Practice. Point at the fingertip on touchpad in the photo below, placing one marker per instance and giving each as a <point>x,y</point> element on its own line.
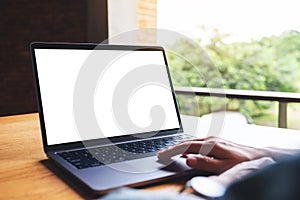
<point>176,165</point>
<point>165,161</point>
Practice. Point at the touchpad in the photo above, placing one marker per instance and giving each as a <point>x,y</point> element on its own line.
<point>150,164</point>
<point>177,164</point>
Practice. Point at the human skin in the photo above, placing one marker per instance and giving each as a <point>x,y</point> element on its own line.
<point>217,155</point>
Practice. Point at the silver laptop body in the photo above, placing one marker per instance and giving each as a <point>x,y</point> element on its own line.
<point>101,107</point>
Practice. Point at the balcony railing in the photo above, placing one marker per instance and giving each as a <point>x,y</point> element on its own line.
<point>283,98</point>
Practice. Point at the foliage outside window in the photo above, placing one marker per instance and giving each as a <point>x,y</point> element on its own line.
<point>254,44</point>
<point>267,60</point>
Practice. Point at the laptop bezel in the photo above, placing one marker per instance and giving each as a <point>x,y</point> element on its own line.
<point>91,46</point>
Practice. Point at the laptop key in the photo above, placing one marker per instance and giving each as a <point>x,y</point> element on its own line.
<point>105,155</point>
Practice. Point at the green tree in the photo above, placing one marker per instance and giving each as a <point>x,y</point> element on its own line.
<point>268,64</point>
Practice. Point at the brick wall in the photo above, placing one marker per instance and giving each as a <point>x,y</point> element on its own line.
<point>147,18</point>
<point>147,13</point>
<point>24,21</point>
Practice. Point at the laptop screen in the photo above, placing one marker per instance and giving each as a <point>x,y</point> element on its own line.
<point>133,92</point>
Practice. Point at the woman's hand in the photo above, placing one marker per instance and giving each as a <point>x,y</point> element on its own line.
<point>213,154</point>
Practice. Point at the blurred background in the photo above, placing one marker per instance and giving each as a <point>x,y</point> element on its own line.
<point>254,44</point>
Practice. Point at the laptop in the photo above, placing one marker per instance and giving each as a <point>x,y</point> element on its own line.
<point>105,111</point>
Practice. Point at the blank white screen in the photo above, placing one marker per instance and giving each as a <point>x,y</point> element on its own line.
<point>57,72</point>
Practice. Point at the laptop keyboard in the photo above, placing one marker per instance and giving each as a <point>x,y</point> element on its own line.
<point>104,155</point>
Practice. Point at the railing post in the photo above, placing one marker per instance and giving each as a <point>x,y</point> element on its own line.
<point>282,118</point>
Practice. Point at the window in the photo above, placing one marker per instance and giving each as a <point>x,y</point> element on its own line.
<point>254,44</point>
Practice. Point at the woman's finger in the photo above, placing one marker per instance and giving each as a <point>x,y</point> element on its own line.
<point>209,164</point>
<point>185,147</point>
<point>194,147</point>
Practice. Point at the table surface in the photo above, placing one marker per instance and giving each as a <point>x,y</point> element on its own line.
<point>25,172</point>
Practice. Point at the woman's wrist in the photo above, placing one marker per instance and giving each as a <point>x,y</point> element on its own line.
<point>277,153</point>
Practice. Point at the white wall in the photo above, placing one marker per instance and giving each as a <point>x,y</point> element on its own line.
<point>122,16</point>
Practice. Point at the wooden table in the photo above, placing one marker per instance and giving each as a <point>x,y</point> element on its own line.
<point>25,172</point>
